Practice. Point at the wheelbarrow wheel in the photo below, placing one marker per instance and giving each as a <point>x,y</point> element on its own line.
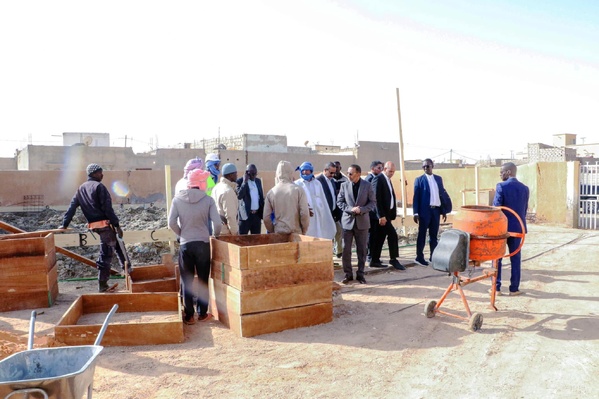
<point>429,309</point>
<point>476,321</point>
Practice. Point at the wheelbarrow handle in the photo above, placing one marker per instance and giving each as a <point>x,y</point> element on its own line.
<point>27,391</point>
<point>105,324</point>
<point>31,330</point>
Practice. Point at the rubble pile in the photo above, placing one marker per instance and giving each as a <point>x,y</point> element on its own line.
<point>140,218</point>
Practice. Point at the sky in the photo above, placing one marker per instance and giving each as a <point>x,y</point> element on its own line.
<point>476,79</point>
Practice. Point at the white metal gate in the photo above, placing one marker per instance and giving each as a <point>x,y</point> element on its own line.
<point>589,197</point>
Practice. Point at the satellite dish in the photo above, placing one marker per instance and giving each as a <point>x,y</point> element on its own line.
<point>88,140</point>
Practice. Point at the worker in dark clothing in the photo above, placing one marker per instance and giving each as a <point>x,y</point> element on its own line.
<point>96,204</point>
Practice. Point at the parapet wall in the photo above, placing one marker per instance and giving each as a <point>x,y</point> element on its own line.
<point>549,183</point>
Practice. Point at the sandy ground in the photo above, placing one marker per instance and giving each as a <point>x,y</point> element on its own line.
<point>544,343</point>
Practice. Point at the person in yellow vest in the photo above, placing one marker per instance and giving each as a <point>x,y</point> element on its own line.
<point>212,166</point>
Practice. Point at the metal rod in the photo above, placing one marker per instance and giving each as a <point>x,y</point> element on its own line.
<point>31,329</point>
<point>105,325</point>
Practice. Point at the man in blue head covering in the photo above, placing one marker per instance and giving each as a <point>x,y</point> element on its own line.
<point>321,224</point>
<point>213,166</point>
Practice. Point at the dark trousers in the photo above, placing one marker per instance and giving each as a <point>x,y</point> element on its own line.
<point>373,222</point>
<point>512,244</point>
<point>251,225</point>
<point>429,222</point>
<point>108,248</point>
<point>195,259</point>
<point>378,235</point>
<point>361,237</point>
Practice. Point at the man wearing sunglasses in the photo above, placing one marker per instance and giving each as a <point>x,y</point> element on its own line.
<point>428,209</point>
<point>356,199</point>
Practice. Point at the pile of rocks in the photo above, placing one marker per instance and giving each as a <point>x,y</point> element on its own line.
<point>140,218</point>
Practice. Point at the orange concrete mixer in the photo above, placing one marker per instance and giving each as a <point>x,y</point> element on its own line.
<point>480,234</point>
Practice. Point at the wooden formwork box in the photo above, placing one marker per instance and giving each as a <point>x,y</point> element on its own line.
<point>170,331</point>
<point>155,278</point>
<point>268,283</point>
<point>28,272</point>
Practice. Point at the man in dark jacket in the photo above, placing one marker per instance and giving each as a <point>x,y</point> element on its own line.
<point>96,204</point>
<point>512,194</point>
<point>376,167</point>
<point>386,211</point>
<point>251,201</point>
<point>428,209</point>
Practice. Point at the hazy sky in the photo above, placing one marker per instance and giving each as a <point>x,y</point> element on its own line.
<point>482,78</point>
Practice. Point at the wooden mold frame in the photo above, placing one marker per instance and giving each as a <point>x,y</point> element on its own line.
<point>155,278</point>
<point>68,332</point>
<point>286,309</point>
<point>269,283</point>
<point>28,272</point>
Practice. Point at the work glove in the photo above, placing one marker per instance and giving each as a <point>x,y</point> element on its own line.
<point>119,232</point>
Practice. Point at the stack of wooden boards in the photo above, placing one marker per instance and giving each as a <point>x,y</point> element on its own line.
<point>28,275</point>
<point>268,283</point>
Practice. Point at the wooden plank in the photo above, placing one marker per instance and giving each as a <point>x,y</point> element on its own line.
<point>157,333</point>
<point>163,285</point>
<point>246,302</point>
<point>255,239</point>
<point>272,255</point>
<point>130,237</point>
<point>139,302</point>
<point>73,313</point>
<point>53,294</point>
<point>278,320</point>
<point>273,277</point>
<point>269,250</point>
<point>151,272</point>
<point>34,234</point>
<point>24,300</point>
<point>314,251</point>
<point>24,247</point>
<point>52,278</point>
<point>229,254</point>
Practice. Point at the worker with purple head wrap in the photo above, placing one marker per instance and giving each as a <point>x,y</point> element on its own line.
<point>192,164</point>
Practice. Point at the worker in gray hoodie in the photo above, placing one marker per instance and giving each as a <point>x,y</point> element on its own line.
<point>288,202</point>
<point>190,216</point>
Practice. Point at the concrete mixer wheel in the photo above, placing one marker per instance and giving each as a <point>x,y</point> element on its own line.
<point>476,321</point>
<point>429,309</point>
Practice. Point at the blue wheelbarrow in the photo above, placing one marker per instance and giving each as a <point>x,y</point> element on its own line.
<point>51,373</point>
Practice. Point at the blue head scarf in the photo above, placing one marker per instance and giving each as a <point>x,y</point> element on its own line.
<point>306,166</point>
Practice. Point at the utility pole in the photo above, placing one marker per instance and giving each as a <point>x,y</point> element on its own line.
<point>450,155</point>
<point>125,141</point>
<point>402,171</point>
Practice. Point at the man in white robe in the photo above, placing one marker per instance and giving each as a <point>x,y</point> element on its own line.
<point>322,224</point>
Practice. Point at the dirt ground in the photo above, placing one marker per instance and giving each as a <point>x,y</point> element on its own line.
<point>544,343</point>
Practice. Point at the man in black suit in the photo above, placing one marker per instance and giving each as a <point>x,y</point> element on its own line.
<point>251,201</point>
<point>328,186</point>
<point>386,211</point>
<point>376,167</point>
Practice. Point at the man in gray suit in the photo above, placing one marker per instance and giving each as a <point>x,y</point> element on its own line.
<point>356,199</point>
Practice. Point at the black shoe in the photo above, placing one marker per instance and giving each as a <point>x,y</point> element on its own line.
<point>395,263</point>
<point>376,264</point>
<point>421,262</point>
<point>347,280</point>
<point>103,286</point>
<point>339,255</point>
<point>361,280</point>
